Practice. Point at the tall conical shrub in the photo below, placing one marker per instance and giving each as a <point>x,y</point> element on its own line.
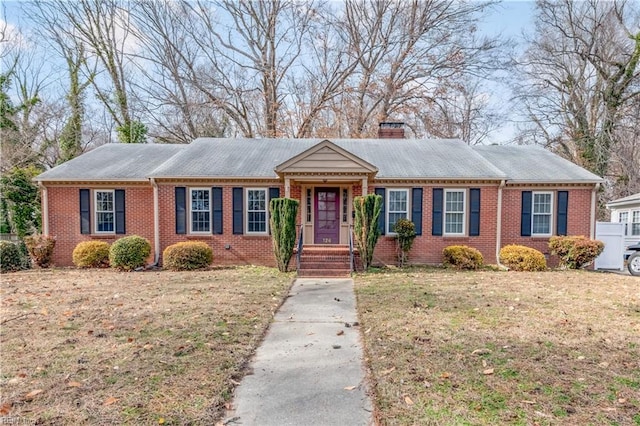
<point>282,217</point>
<point>365,228</point>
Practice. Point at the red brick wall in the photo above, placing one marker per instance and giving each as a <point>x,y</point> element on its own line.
<point>64,224</point>
<point>427,249</point>
<point>578,217</point>
<point>64,218</point>
<point>243,249</point>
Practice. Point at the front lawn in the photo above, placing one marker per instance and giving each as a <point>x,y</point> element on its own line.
<point>105,347</point>
<point>485,348</point>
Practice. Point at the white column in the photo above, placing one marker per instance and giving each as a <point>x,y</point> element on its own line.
<point>287,187</point>
<point>365,186</point>
<point>44,197</point>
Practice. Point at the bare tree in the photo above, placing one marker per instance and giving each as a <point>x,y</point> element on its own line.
<point>582,73</point>
<point>406,51</point>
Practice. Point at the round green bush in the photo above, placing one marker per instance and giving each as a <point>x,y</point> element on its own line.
<point>462,257</point>
<point>12,257</point>
<point>129,253</point>
<point>522,258</point>
<point>91,254</point>
<point>187,256</point>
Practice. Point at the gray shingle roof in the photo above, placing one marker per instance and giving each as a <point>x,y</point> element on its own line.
<point>257,158</point>
<point>534,164</point>
<point>395,158</point>
<point>630,199</point>
<point>113,162</point>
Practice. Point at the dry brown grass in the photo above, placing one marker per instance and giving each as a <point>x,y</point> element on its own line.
<point>103,347</point>
<point>547,348</point>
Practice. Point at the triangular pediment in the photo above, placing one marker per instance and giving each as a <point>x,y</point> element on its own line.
<point>326,157</point>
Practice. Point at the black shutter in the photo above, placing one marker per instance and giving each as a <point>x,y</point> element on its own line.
<point>474,212</point>
<point>381,219</point>
<point>416,209</point>
<point>85,211</point>
<point>237,211</point>
<point>216,196</point>
<point>436,213</point>
<point>120,209</point>
<point>563,207</point>
<point>273,193</point>
<point>525,217</point>
<point>181,210</point>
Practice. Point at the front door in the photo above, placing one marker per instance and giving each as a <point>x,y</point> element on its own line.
<point>327,216</point>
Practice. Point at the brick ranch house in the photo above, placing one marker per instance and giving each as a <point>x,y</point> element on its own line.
<point>217,190</point>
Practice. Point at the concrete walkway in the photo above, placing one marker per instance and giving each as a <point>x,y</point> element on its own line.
<point>309,369</point>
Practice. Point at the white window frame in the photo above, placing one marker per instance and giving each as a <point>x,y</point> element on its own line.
<point>626,221</point>
<point>445,211</point>
<point>634,219</point>
<point>191,210</point>
<point>97,212</point>
<point>550,214</point>
<point>389,211</point>
<point>247,211</point>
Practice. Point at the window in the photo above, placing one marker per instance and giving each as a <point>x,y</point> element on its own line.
<point>105,212</point>
<point>541,214</point>
<point>635,222</point>
<point>454,210</point>
<point>257,211</point>
<point>623,217</point>
<point>398,207</point>
<point>309,205</point>
<point>200,210</point>
<point>345,204</point>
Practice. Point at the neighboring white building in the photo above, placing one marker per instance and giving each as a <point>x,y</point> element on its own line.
<point>627,210</point>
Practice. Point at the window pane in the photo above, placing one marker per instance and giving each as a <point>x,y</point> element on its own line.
<point>105,222</point>
<point>541,203</point>
<point>256,210</point>
<point>454,223</point>
<point>541,224</point>
<point>104,211</point>
<point>454,212</point>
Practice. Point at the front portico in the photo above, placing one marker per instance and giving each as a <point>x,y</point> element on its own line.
<point>329,177</point>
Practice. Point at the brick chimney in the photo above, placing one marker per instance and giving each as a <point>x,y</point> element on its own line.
<point>391,130</point>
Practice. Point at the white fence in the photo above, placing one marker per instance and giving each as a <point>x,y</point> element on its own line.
<point>612,235</point>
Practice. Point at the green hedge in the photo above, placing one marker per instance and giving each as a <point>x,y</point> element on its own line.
<point>187,256</point>
<point>462,257</point>
<point>12,257</point>
<point>522,258</point>
<point>129,253</point>
<point>91,254</point>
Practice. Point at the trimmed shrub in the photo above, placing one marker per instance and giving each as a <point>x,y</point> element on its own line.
<point>405,234</point>
<point>462,257</point>
<point>575,252</point>
<point>129,253</point>
<point>91,254</point>
<point>12,258</point>
<point>522,258</point>
<point>282,218</point>
<point>365,228</point>
<point>187,256</point>
<point>40,248</point>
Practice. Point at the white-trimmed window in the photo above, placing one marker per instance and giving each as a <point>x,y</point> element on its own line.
<point>105,212</point>
<point>257,216</point>
<point>635,222</point>
<point>200,215</point>
<point>623,217</point>
<point>454,211</point>
<point>541,213</point>
<point>397,207</point>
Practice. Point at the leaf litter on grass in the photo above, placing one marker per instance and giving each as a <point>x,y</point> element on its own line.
<point>502,348</point>
<point>105,347</point>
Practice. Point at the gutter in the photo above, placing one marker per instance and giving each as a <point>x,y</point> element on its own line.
<point>592,221</point>
<point>44,200</point>
<point>499,226</point>
<point>156,223</point>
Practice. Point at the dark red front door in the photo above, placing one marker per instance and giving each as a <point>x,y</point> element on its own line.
<point>327,216</point>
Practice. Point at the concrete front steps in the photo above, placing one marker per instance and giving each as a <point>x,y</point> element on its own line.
<point>324,261</point>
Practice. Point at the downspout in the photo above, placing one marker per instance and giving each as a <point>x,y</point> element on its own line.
<point>156,223</point>
<point>592,222</point>
<point>499,226</point>
<point>44,199</point>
